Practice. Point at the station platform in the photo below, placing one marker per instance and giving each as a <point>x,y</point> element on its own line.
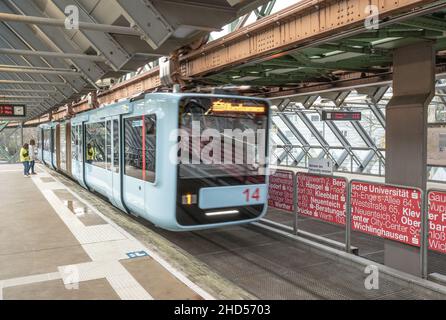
<point>59,241</point>
<point>54,245</point>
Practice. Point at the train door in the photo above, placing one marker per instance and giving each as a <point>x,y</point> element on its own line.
<point>109,159</point>
<point>133,162</point>
<point>53,147</point>
<point>62,147</point>
<point>115,163</point>
<point>57,147</point>
<point>68,147</point>
<point>77,153</point>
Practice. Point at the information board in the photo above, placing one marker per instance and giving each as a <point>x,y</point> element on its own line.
<point>386,211</point>
<point>281,188</point>
<point>12,111</point>
<point>437,221</point>
<point>322,197</point>
<point>341,116</point>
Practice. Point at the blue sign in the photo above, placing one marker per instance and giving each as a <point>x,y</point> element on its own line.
<point>137,254</point>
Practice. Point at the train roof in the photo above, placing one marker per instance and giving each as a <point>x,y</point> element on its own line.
<point>124,106</point>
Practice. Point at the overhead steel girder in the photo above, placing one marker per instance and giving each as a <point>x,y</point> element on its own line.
<point>21,34</point>
<point>39,71</point>
<point>18,101</point>
<point>345,144</point>
<point>57,38</point>
<point>154,28</point>
<point>287,152</point>
<point>369,142</point>
<point>265,10</point>
<point>23,97</point>
<point>28,91</point>
<point>37,20</point>
<point>339,99</point>
<point>22,77</point>
<point>28,88</point>
<point>51,54</point>
<point>305,145</point>
<point>375,94</point>
<point>324,144</point>
<point>366,138</point>
<point>308,102</point>
<point>377,113</point>
<point>34,83</point>
<point>116,55</point>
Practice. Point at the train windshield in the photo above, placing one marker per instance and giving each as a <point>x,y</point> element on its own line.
<point>222,137</point>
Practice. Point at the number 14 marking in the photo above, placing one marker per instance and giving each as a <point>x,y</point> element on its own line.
<point>255,195</point>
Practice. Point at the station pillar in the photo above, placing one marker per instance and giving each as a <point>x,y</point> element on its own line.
<point>406,135</point>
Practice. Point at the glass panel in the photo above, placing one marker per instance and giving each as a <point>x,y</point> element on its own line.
<point>46,140</point>
<point>108,146</point>
<point>96,144</point>
<point>63,147</point>
<point>232,134</point>
<point>133,128</point>
<point>75,143</point>
<point>150,148</point>
<point>116,145</point>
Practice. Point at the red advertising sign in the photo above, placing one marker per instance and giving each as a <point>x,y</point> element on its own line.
<point>322,197</point>
<point>281,188</point>
<point>386,211</point>
<point>437,221</point>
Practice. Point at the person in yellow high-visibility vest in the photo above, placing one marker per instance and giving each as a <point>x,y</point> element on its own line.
<point>24,158</point>
<point>91,153</point>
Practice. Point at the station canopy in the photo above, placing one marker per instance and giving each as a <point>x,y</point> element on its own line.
<point>48,57</point>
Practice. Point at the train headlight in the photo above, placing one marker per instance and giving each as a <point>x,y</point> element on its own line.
<point>189,199</point>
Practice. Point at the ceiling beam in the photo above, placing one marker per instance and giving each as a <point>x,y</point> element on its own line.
<point>107,28</point>
<point>70,73</point>
<point>52,54</point>
<point>40,83</point>
<point>28,91</point>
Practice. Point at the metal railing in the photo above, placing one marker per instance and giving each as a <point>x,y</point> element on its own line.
<point>424,220</point>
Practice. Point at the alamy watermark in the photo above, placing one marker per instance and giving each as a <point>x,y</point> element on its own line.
<point>371,22</point>
<point>72,17</point>
<point>371,282</point>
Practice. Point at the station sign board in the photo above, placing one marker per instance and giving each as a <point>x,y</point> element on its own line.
<point>322,197</point>
<point>341,116</point>
<point>12,111</point>
<point>437,220</point>
<point>281,190</point>
<point>320,166</point>
<point>386,211</point>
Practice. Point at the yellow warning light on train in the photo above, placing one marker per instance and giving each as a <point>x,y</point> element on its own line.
<point>189,199</point>
<point>222,106</point>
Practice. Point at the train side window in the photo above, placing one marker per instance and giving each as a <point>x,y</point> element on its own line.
<point>96,144</point>
<point>108,144</point>
<point>140,147</point>
<point>39,138</point>
<point>46,140</point>
<point>133,147</point>
<point>75,143</point>
<point>150,148</point>
<point>116,145</point>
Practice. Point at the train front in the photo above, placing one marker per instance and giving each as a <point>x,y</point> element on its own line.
<point>223,152</point>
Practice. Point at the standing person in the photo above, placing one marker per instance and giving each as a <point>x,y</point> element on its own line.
<point>91,153</point>
<point>24,158</point>
<point>32,155</point>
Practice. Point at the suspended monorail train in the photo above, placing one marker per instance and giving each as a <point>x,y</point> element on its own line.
<point>135,154</point>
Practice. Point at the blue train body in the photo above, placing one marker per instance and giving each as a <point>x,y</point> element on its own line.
<point>124,152</point>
